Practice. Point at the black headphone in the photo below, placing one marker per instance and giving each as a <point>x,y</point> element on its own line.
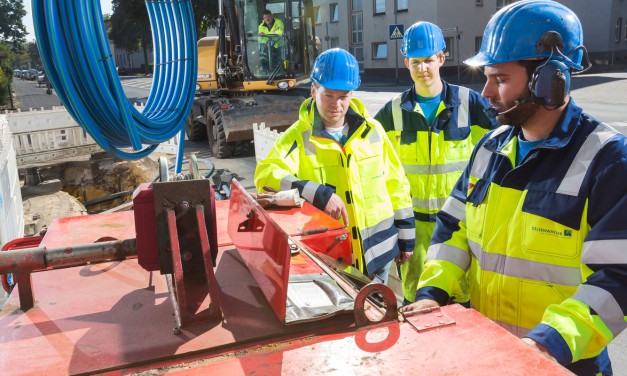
<point>550,81</point>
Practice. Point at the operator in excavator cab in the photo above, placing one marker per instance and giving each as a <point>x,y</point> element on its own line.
<point>270,40</point>
<point>341,161</point>
<point>538,216</point>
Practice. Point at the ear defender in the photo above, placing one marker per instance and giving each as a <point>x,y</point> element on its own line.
<point>550,83</point>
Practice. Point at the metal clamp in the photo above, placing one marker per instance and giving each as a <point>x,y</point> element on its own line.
<point>389,299</point>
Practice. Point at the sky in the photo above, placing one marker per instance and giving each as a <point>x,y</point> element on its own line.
<point>105,5</point>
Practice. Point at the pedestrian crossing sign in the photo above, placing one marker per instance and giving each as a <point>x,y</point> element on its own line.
<point>397,31</point>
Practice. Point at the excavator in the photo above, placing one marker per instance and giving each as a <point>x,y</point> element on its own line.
<point>239,83</point>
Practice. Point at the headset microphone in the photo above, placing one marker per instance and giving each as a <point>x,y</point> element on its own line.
<point>493,112</point>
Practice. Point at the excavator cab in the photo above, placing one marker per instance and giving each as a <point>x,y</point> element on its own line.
<point>245,77</point>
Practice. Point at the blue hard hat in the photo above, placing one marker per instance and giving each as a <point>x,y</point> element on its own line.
<point>527,30</point>
<point>336,69</point>
<point>422,39</point>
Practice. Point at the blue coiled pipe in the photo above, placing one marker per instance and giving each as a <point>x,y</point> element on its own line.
<point>75,52</point>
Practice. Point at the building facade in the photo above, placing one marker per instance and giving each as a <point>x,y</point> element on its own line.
<point>363,27</point>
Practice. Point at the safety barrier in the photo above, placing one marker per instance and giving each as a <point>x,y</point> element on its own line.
<point>264,140</point>
<point>11,210</point>
<point>48,135</point>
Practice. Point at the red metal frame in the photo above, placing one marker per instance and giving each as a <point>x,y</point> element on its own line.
<point>19,243</point>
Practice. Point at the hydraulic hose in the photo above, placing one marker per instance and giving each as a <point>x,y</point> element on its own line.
<point>75,52</point>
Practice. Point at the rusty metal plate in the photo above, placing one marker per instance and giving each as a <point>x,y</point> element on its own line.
<point>426,319</point>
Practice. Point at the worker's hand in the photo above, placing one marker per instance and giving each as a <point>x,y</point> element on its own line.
<point>335,209</point>
<point>421,304</point>
<point>402,257</point>
<point>540,348</point>
<point>262,33</point>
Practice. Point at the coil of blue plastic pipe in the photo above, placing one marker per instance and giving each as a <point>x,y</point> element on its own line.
<point>75,52</point>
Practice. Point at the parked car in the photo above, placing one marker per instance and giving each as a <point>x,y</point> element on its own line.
<point>24,74</point>
<point>41,77</point>
<point>31,74</point>
<point>17,73</point>
<point>122,71</point>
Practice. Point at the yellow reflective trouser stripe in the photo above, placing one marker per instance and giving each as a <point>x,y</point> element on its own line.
<point>449,253</point>
<point>610,251</point>
<point>571,184</point>
<point>527,269</point>
<point>604,304</point>
<point>443,168</point>
<point>455,208</point>
<point>428,203</point>
<point>286,182</point>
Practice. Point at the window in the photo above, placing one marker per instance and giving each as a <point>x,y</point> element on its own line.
<point>450,42</point>
<point>335,42</point>
<point>356,5</point>
<point>335,16</point>
<point>479,3</point>
<point>379,7</point>
<point>402,5</point>
<point>317,15</point>
<point>478,41</point>
<point>619,29</point>
<point>358,52</point>
<point>358,27</point>
<point>380,50</point>
<point>501,3</point>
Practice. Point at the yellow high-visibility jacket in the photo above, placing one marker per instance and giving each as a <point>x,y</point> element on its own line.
<point>276,33</point>
<point>365,173</point>
<point>545,242</point>
<point>434,157</point>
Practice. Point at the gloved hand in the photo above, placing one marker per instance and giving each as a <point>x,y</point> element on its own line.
<point>335,209</point>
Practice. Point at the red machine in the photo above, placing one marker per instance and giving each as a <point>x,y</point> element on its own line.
<point>247,291</point>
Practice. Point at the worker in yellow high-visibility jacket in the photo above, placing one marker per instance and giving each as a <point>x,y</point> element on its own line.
<point>270,39</point>
<point>433,126</point>
<point>539,216</point>
<point>341,161</point>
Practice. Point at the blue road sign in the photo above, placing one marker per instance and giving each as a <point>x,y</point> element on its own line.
<point>397,31</point>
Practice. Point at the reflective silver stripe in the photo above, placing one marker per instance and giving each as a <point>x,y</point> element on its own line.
<point>403,213</point>
<point>527,269</point>
<point>462,111</point>
<point>310,149</point>
<point>374,136</point>
<point>309,191</point>
<point>397,114</point>
<point>605,305</point>
<point>611,251</point>
<point>455,208</point>
<point>381,248</point>
<point>482,158</point>
<point>571,184</point>
<point>406,233</point>
<point>435,169</point>
<point>515,330</point>
<point>449,253</point>
<point>286,182</point>
<point>429,203</point>
<point>385,224</point>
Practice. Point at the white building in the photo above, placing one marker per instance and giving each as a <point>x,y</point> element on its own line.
<point>362,27</point>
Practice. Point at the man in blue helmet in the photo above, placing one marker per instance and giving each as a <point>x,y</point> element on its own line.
<point>433,126</point>
<point>340,160</point>
<point>539,215</point>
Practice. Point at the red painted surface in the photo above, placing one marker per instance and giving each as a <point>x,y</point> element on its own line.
<point>473,346</point>
<point>69,231</point>
<point>146,227</point>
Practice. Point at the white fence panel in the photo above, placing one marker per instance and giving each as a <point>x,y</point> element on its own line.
<point>11,210</point>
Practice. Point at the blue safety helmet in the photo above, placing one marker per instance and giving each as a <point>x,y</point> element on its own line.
<point>422,39</point>
<point>528,30</point>
<point>336,69</point>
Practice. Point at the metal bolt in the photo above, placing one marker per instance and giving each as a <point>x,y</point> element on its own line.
<point>441,322</point>
<point>187,256</point>
<point>341,237</point>
<point>427,325</point>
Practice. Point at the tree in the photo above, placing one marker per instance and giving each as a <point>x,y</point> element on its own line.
<point>130,26</point>
<point>11,26</point>
<point>33,54</point>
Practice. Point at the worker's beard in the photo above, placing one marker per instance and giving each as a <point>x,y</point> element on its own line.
<point>525,109</point>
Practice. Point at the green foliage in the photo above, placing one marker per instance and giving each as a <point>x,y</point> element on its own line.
<point>6,72</point>
<point>33,53</point>
<point>12,28</point>
<point>4,89</point>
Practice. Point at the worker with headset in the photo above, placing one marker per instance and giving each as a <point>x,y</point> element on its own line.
<point>433,126</point>
<point>538,217</point>
<point>341,162</point>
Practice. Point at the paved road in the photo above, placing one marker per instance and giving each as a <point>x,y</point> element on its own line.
<point>602,95</point>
